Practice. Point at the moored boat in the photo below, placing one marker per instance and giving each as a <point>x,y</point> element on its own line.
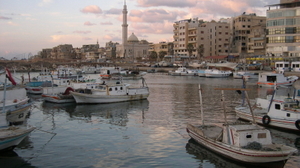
<point>270,79</point>
<point>243,142</point>
<point>111,93</point>
<point>65,97</point>
<point>215,73</point>
<point>276,111</point>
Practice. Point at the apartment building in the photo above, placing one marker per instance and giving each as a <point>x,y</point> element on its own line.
<point>248,31</point>
<point>283,29</point>
<point>214,36</point>
<point>181,35</point>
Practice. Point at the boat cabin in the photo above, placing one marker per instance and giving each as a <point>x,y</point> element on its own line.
<point>282,66</point>
<point>288,108</point>
<point>243,135</point>
<point>295,66</point>
<point>271,77</point>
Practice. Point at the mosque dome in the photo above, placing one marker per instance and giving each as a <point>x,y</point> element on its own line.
<point>132,38</point>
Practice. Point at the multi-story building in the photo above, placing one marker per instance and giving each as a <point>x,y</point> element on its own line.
<point>182,37</point>
<point>64,51</point>
<point>215,38</point>
<point>245,28</point>
<point>283,30</point>
<point>110,48</point>
<point>257,41</point>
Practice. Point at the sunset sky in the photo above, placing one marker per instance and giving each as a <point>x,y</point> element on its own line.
<point>28,26</point>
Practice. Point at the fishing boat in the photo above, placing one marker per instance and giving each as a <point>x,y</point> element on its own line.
<point>183,71</point>
<point>270,79</point>
<point>276,111</point>
<point>243,142</point>
<point>245,74</point>
<point>10,136</point>
<point>215,73</point>
<point>111,93</point>
<point>64,97</point>
<point>222,65</point>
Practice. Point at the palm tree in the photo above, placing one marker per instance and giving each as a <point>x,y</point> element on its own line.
<point>190,49</point>
<point>200,51</point>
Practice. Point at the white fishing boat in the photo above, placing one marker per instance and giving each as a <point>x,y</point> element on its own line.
<point>245,74</point>
<point>111,93</point>
<point>276,111</point>
<point>10,137</point>
<point>64,97</point>
<point>128,75</point>
<point>183,71</point>
<point>18,114</point>
<point>222,64</point>
<point>215,73</point>
<point>270,79</point>
<point>243,142</point>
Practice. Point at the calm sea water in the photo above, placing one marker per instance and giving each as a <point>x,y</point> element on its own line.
<point>148,133</point>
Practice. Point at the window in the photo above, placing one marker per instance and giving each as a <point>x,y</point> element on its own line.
<point>261,135</point>
<point>277,106</point>
<point>110,89</point>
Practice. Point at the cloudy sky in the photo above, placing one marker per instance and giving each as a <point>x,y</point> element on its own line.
<point>28,26</point>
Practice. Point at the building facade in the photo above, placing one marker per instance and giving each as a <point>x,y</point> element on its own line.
<point>245,29</point>
<point>283,29</point>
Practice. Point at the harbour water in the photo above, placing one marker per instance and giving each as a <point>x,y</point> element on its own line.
<point>148,133</point>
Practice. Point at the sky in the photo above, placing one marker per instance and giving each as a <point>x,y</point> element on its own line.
<point>28,26</point>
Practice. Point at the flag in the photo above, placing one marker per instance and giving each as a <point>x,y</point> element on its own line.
<point>10,78</point>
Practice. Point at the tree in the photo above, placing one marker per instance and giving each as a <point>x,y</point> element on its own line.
<point>200,51</point>
<point>190,49</point>
<point>161,54</point>
<point>153,56</point>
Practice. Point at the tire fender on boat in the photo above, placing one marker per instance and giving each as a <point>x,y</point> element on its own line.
<point>266,120</point>
<point>297,124</point>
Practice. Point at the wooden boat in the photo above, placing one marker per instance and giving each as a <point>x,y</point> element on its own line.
<point>271,79</point>
<point>276,111</point>
<point>243,142</point>
<point>183,71</point>
<point>222,65</point>
<point>111,93</point>
<point>10,137</point>
<point>65,97</point>
<point>245,74</point>
<point>215,73</point>
<point>18,114</point>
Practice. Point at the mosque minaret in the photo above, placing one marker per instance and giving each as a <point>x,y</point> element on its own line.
<point>124,25</point>
<point>131,47</point>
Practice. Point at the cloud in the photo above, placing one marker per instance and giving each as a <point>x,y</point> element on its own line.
<point>114,11</point>
<point>155,15</point>
<point>81,32</point>
<point>169,3</point>
<point>91,9</point>
<point>89,23</point>
<point>106,23</point>
<point>45,2</point>
<point>214,9</point>
<point>5,18</point>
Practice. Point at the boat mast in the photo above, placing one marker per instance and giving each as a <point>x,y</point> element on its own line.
<point>201,105</point>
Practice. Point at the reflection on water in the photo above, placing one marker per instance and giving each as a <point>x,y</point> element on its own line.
<point>205,155</point>
<point>148,133</point>
<point>11,159</point>
<point>116,113</point>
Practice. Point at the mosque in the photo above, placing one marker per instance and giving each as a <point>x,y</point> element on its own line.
<point>131,48</point>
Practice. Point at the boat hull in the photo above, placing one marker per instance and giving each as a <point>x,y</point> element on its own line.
<point>82,98</point>
<point>12,136</point>
<point>19,114</point>
<point>239,154</point>
<point>58,99</point>
<point>274,122</point>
